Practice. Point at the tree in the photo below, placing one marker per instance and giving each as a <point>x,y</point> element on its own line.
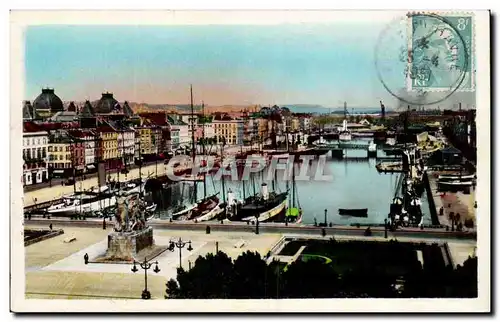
<point>251,275</point>
<point>173,291</point>
<point>210,277</point>
<point>311,279</point>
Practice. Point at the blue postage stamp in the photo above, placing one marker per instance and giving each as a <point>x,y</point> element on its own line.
<point>441,52</point>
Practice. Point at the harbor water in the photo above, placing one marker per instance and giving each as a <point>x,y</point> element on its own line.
<point>353,184</point>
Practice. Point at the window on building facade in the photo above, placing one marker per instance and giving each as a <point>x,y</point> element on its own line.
<point>61,157</point>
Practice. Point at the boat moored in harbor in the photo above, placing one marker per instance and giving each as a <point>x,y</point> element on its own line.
<point>362,212</point>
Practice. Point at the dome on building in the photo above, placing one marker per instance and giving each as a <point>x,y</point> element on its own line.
<point>48,101</point>
<point>107,104</point>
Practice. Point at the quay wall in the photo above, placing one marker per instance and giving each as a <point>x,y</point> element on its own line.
<point>275,228</point>
<point>430,199</point>
<point>44,237</point>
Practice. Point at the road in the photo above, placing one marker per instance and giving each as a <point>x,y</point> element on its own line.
<point>57,181</point>
<point>273,228</point>
<point>56,192</point>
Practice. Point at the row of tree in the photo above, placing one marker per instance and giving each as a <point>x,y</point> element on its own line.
<point>250,277</point>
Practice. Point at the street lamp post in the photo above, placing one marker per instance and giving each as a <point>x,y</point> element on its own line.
<point>146,295</point>
<point>179,244</point>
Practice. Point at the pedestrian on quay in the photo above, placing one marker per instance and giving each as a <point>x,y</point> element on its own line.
<point>50,226</point>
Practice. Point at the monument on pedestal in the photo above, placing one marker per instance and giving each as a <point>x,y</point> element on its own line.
<point>132,238</point>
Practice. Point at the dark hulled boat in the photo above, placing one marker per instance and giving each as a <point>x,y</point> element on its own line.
<point>362,212</point>
<point>263,207</point>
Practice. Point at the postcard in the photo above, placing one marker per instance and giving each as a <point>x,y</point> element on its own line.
<point>250,161</point>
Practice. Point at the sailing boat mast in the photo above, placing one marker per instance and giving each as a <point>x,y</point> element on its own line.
<point>203,147</point>
<point>293,184</point>
<point>195,192</point>
<point>222,177</point>
<point>140,167</point>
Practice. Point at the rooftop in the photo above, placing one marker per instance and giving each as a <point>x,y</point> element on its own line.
<point>175,121</point>
<point>30,127</point>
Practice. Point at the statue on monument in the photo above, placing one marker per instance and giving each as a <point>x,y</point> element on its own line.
<point>121,215</point>
<point>130,213</point>
<point>137,210</point>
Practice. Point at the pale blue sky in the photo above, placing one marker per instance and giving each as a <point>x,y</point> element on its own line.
<point>283,64</point>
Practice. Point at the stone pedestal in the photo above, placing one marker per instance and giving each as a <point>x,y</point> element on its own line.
<point>125,246</point>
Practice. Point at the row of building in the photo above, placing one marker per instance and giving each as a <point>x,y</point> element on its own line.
<point>61,140</point>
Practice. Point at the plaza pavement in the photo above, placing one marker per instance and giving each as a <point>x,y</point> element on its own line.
<point>55,269</point>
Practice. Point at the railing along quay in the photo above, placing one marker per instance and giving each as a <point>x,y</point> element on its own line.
<point>274,228</point>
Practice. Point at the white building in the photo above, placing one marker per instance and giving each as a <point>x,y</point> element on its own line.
<point>209,130</point>
<point>35,144</point>
<point>184,133</point>
<point>305,123</point>
<point>126,145</point>
<point>189,120</point>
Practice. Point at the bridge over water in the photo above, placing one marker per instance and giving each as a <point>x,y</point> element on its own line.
<point>345,146</point>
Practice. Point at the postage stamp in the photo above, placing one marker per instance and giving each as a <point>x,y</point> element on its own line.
<point>441,52</point>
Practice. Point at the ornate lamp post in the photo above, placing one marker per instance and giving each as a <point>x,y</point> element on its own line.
<point>146,295</point>
<point>179,244</point>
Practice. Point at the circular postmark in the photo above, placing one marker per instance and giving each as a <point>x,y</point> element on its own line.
<point>421,59</point>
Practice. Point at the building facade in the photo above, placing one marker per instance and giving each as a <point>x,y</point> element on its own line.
<point>35,147</point>
<point>108,146</point>
<point>184,135</point>
<point>145,139</point>
<point>126,145</point>
<point>231,130</point>
<point>175,139</point>
<point>61,152</point>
